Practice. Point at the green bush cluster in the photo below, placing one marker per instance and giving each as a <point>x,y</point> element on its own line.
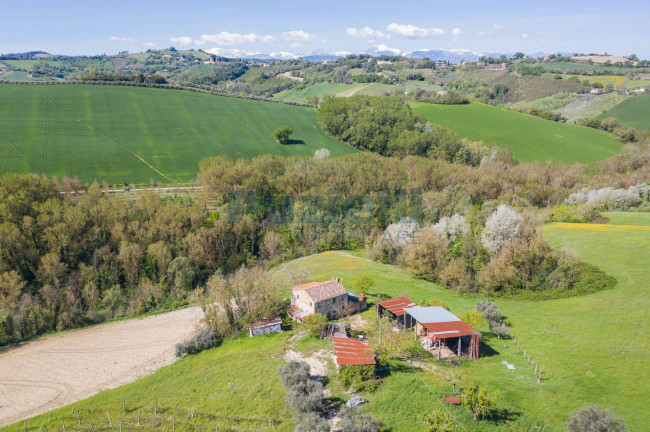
<point>358,377</point>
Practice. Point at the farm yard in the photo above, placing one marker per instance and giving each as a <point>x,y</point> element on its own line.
<point>529,138</point>
<point>125,135</point>
<point>633,112</point>
<point>577,363</point>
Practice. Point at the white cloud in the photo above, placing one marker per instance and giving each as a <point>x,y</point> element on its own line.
<point>496,27</point>
<point>412,31</point>
<point>301,35</point>
<point>383,47</point>
<point>525,36</point>
<point>227,38</point>
<point>148,44</point>
<point>185,41</point>
<point>122,39</point>
<point>296,45</point>
<point>367,33</point>
<point>457,33</point>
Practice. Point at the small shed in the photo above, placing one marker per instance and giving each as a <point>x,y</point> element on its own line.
<point>267,325</point>
<point>350,351</point>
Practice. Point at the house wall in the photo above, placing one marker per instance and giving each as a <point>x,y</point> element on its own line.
<point>302,301</point>
<point>330,307</point>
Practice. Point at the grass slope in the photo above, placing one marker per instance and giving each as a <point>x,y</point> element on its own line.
<point>132,135</point>
<point>235,386</point>
<point>634,112</point>
<point>530,138</point>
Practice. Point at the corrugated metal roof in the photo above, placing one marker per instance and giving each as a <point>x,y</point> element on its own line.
<point>396,305</point>
<point>431,314</point>
<point>265,322</point>
<point>319,291</point>
<point>444,330</point>
<point>350,351</point>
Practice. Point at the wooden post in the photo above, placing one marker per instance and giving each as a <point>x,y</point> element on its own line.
<point>123,406</point>
<point>173,422</point>
<point>50,417</point>
<point>42,423</point>
<point>121,420</point>
<point>78,419</point>
<point>192,413</point>
<point>155,407</point>
<point>139,414</point>
<point>91,408</point>
<point>63,421</point>
<point>438,349</point>
<point>109,418</point>
<point>25,425</point>
<point>92,427</point>
<point>459,347</point>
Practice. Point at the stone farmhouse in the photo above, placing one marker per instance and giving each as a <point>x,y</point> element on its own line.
<point>329,298</point>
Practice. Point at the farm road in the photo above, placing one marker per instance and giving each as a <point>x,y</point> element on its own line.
<point>58,370</point>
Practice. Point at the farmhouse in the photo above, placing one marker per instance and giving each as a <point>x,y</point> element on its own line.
<point>329,298</point>
<point>265,326</point>
<point>350,351</point>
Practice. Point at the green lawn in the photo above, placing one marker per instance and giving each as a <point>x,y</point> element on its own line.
<point>634,112</point>
<point>132,135</point>
<point>320,89</point>
<point>235,386</point>
<point>530,138</point>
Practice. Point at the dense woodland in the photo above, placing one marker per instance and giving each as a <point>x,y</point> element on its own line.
<point>69,259</point>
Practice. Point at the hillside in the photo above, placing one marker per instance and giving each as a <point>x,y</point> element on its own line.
<point>634,112</point>
<point>135,135</point>
<point>238,379</point>
<point>530,138</point>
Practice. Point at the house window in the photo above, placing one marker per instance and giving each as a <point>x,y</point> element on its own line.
<point>310,304</point>
<point>334,300</point>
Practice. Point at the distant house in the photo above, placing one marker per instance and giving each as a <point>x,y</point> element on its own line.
<point>504,65</point>
<point>329,298</point>
<point>440,64</point>
<point>42,56</point>
<point>166,57</point>
<point>594,91</point>
<point>265,326</point>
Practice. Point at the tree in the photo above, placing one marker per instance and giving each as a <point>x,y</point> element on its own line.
<point>282,134</point>
<point>11,285</point>
<point>306,397</point>
<point>362,283</point>
<point>293,373</point>
<point>593,418</point>
<point>478,401</point>
<point>312,422</point>
<point>352,421</point>
<point>322,153</point>
<point>181,273</point>
<point>518,55</point>
<point>502,226</point>
<point>315,324</point>
<point>438,421</point>
<point>473,319</point>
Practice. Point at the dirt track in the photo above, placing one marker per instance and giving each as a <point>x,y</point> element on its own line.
<point>58,370</point>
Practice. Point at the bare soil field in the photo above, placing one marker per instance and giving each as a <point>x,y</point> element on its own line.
<point>54,371</point>
<point>603,59</point>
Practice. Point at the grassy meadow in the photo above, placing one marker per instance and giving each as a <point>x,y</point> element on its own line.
<point>589,349</point>
<point>138,135</point>
<point>634,112</point>
<point>529,138</point>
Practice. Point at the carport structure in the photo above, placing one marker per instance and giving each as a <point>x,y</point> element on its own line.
<point>435,324</point>
<point>395,309</point>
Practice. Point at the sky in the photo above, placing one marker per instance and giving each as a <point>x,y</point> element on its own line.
<point>90,27</point>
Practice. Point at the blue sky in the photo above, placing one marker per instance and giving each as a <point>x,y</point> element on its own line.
<point>90,27</point>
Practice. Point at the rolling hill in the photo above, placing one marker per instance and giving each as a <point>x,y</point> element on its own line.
<point>138,135</point>
<point>603,359</point>
<point>529,138</point>
<point>634,112</point>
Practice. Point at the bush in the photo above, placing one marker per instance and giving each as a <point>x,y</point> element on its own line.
<point>204,339</point>
<point>593,418</point>
<point>478,401</point>
<point>306,397</point>
<point>352,421</point>
<point>315,324</point>
<point>438,421</point>
<point>293,373</point>
<point>312,422</point>
<point>358,377</point>
<point>626,135</point>
<point>282,134</point>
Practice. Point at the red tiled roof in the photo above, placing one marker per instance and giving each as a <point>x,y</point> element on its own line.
<point>350,351</point>
<point>319,291</point>
<point>397,305</point>
<point>444,330</point>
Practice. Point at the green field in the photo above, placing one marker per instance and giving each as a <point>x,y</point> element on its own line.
<point>529,138</point>
<point>320,89</point>
<point>590,349</point>
<point>135,135</point>
<point>634,112</point>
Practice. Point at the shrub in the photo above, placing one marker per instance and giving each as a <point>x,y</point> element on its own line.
<point>306,397</point>
<point>438,421</point>
<point>352,421</point>
<point>593,418</point>
<point>315,324</point>
<point>358,377</point>
<point>321,154</point>
<point>293,373</point>
<point>312,422</point>
<point>473,318</point>
<point>282,134</point>
<point>204,339</point>
<point>478,401</point>
<point>626,135</point>
<point>502,226</point>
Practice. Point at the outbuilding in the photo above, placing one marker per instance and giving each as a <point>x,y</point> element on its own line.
<point>265,326</point>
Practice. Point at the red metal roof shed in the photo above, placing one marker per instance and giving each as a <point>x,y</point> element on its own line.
<point>396,305</point>
<point>352,352</point>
